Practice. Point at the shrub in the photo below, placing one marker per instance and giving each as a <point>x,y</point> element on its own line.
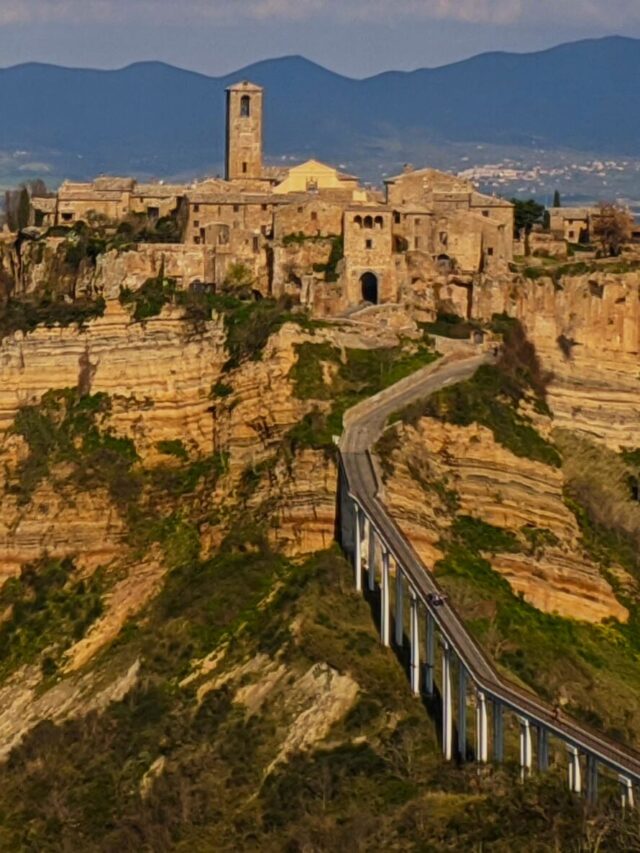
<point>149,300</point>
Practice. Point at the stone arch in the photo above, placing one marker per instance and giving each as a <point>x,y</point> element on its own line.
<point>378,222</point>
<point>358,221</point>
<point>368,222</point>
<point>369,287</point>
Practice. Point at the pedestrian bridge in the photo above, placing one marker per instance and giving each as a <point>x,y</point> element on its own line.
<point>446,663</point>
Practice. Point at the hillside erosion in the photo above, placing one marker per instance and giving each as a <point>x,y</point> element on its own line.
<point>463,471</point>
<point>586,330</point>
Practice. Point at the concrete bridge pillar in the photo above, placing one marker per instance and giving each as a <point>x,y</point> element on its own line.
<point>525,747</point>
<point>462,711</point>
<point>592,779</point>
<point>626,792</point>
<point>447,716</point>
<point>366,539</point>
<point>399,607</point>
<point>384,599</point>
<point>543,749</point>
<point>482,750</point>
<point>575,772</point>
<point>357,562</point>
<point>430,654</point>
<point>415,644</point>
<point>371,558</point>
<point>498,731</point>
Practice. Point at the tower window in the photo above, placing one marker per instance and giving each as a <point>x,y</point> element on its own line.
<point>196,208</point>
<point>368,244</point>
<point>236,208</point>
<point>244,168</point>
<point>245,106</point>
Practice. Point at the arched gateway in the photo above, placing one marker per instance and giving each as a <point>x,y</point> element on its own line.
<point>369,283</point>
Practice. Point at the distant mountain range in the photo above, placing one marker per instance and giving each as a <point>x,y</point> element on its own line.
<point>154,119</point>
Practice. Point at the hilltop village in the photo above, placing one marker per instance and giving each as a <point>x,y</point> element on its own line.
<point>308,231</point>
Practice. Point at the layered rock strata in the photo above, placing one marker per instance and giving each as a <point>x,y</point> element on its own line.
<point>507,491</point>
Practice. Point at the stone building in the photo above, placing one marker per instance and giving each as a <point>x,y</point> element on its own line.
<point>572,224</point>
<point>309,230</point>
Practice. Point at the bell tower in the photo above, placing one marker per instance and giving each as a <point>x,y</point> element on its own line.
<point>244,132</point>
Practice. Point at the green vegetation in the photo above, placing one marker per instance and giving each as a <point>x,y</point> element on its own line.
<point>221,390</point>
<point>149,300</point>
<point>173,447</point>
<point>69,428</point>
<point>361,374</point>
<point>552,655</point>
<point>493,395</point>
<point>79,785</point>
<point>330,269</point>
<point>559,271</point>
<point>527,214</point>
<point>48,610</point>
<point>24,315</point>
<point>450,326</point>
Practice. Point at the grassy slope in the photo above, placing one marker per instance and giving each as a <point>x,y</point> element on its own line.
<point>561,659</point>
<point>378,783</point>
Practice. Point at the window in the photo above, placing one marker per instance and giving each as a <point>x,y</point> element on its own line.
<point>236,208</point>
<point>196,208</point>
<point>314,216</point>
<point>417,222</point>
<point>245,106</point>
<point>572,235</point>
<point>396,218</point>
<point>196,223</point>
<point>357,220</point>
<point>368,222</point>
<point>244,168</point>
<point>256,245</point>
<point>153,212</point>
<point>416,243</point>
<point>378,222</point>
<point>263,206</point>
<point>368,244</point>
<point>485,213</point>
<point>67,217</point>
<point>196,240</point>
<point>490,251</point>
<point>443,238</point>
<point>300,209</point>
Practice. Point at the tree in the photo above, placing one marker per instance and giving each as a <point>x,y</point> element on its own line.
<point>526,214</point>
<point>611,226</point>
<point>556,199</point>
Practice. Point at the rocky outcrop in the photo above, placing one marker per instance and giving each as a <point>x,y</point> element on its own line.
<point>586,330</point>
<point>465,472</point>
<point>158,373</point>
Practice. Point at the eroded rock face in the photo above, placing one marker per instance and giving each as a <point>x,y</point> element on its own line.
<point>586,330</point>
<point>504,490</point>
<point>158,373</point>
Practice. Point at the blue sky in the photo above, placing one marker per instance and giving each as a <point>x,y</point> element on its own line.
<point>353,37</point>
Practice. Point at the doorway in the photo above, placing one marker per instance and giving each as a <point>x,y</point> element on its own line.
<point>369,283</point>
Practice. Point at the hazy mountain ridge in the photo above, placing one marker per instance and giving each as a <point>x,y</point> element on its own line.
<point>152,118</point>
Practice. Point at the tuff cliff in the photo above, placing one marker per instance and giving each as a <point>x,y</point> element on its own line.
<point>173,644</point>
<point>586,331</point>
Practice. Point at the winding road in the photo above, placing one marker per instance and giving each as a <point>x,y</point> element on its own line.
<point>363,426</point>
